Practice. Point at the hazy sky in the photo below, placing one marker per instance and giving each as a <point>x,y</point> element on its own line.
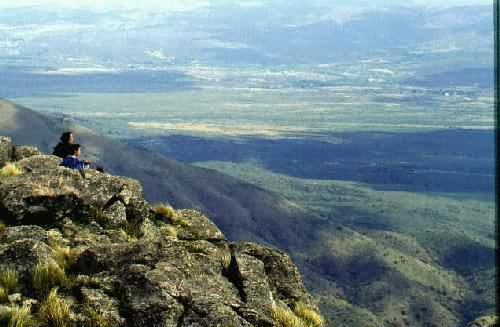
<point>182,5</point>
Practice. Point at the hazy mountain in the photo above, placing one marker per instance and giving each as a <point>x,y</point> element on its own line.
<point>278,32</point>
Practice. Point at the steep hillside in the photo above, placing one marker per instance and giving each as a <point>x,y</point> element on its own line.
<point>395,257</point>
<point>262,215</point>
<point>86,249</point>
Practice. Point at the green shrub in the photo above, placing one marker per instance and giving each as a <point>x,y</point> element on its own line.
<point>18,316</point>
<point>9,279</point>
<point>55,311</point>
<point>48,276</point>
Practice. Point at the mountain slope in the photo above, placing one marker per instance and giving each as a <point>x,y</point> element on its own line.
<point>361,258</point>
<point>261,215</point>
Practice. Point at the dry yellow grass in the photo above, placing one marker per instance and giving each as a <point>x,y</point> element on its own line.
<point>18,316</point>
<point>47,276</point>
<point>309,315</point>
<point>284,317</point>
<point>55,310</point>
<point>9,279</point>
<point>65,256</point>
<point>10,170</point>
<point>165,211</point>
<point>302,316</point>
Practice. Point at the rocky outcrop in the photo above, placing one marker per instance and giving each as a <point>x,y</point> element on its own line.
<point>485,321</point>
<point>125,263</point>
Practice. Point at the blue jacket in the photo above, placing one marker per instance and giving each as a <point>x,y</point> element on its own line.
<point>73,163</point>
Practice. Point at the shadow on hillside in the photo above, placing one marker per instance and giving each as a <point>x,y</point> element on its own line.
<point>435,161</point>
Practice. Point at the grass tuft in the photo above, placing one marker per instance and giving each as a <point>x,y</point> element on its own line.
<point>65,256</point>
<point>309,315</point>
<point>284,317</point>
<point>9,279</point>
<point>10,170</point>
<point>55,310</point>
<point>96,319</point>
<point>302,316</point>
<point>165,211</point>
<point>18,316</point>
<point>2,228</point>
<point>48,276</point>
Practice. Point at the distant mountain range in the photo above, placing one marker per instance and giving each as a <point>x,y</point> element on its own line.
<point>279,32</point>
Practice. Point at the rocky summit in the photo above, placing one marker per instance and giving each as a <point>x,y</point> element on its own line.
<point>83,248</point>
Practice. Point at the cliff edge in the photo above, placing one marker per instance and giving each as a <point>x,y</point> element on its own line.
<point>86,249</point>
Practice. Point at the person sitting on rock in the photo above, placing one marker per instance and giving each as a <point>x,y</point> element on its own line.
<point>62,149</point>
<point>72,161</point>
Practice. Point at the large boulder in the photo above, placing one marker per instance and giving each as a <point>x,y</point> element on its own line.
<point>46,193</point>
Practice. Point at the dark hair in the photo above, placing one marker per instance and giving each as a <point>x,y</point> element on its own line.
<point>73,148</point>
<point>65,137</point>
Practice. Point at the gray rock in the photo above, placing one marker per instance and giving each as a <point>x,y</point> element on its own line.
<point>283,276</point>
<point>15,298</point>
<point>15,233</point>
<point>24,256</point>
<point>22,152</point>
<point>45,196</point>
<point>44,163</point>
<point>104,305</point>
<point>193,225</point>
